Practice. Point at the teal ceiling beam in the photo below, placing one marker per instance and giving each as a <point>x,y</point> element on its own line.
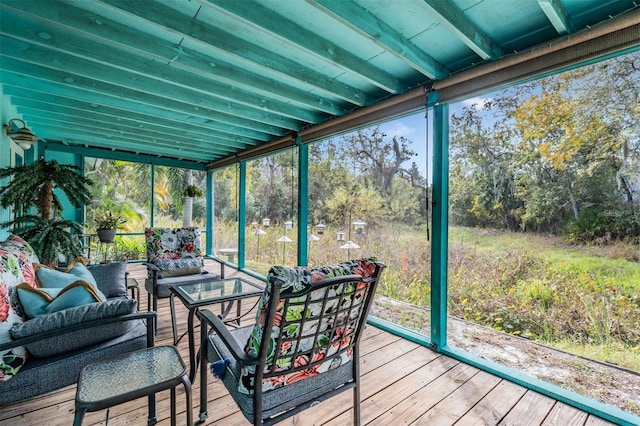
<point>361,20</point>
<point>151,78</point>
<point>54,125</point>
<point>452,18</point>
<point>70,136</point>
<point>223,42</point>
<point>557,15</point>
<point>148,130</point>
<point>60,83</point>
<point>111,154</point>
<point>194,64</point>
<point>292,33</point>
<point>195,127</point>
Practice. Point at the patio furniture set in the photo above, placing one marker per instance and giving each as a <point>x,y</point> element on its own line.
<point>301,348</point>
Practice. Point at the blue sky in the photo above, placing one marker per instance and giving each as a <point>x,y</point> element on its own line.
<point>413,127</point>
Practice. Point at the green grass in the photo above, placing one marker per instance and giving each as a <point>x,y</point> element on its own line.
<point>582,299</point>
<point>613,353</point>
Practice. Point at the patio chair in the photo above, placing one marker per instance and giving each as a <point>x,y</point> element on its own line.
<point>174,256</point>
<point>314,317</point>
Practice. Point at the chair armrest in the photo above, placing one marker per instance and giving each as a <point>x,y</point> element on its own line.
<point>217,259</point>
<point>151,266</point>
<point>83,326</point>
<point>209,319</point>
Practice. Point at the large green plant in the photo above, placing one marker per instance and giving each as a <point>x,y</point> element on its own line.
<point>33,185</point>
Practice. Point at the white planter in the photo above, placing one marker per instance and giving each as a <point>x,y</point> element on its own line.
<point>187,214</point>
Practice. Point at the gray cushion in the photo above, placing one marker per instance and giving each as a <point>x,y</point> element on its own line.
<point>163,288</point>
<point>42,375</point>
<point>111,278</point>
<point>80,338</point>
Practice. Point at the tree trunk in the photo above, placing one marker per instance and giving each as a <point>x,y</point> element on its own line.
<point>46,200</point>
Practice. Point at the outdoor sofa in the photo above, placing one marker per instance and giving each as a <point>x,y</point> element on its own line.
<point>47,352</point>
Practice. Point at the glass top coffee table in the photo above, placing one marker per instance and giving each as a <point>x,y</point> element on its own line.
<point>217,291</point>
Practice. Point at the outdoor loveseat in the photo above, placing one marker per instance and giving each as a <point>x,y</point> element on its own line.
<point>47,352</point>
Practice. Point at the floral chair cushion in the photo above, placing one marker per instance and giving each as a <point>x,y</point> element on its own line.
<point>175,251</point>
<point>16,267</point>
<point>296,280</point>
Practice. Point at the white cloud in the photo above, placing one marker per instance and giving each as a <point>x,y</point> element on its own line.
<point>478,101</point>
<point>397,128</point>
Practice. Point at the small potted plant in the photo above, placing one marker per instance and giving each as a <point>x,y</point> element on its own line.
<point>107,226</point>
<point>189,192</point>
<point>193,191</point>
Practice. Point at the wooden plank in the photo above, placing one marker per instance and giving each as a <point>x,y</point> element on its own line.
<point>596,421</point>
<point>565,415</point>
<point>414,405</point>
<point>494,406</point>
<point>384,377</point>
<point>532,408</point>
<point>454,406</point>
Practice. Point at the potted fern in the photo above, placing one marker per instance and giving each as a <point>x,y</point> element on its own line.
<point>107,226</point>
<point>32,186</point>
<point>190,192</point>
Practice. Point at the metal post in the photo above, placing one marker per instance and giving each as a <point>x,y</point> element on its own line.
<point>439,245</point>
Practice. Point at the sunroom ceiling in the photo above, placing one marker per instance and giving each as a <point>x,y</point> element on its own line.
<point>205,80</point>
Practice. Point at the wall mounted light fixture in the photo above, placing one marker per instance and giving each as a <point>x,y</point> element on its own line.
<point>23,136</point>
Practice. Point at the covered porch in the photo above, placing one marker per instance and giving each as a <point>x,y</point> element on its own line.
<point>402,383</point>
<point>212,85</point>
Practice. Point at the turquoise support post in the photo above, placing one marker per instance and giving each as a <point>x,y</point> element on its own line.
<point>439,245</point>
<point>210,214</point>
<point>242,209</point>
<point>152,204</point>
<point>303,201</point>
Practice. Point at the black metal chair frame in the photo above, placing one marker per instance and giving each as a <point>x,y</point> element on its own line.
<point>355,314</point>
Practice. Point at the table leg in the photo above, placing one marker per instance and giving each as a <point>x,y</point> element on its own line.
<point>152,411</point>
<point>174,326</point>
<point>77,419</point>
<point>187,391</point>
<point>173,406</point>
<point>192,346</point>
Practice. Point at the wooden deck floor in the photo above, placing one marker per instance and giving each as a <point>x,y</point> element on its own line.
<point>402,383</point>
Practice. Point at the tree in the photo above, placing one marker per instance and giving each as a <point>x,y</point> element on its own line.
<point>376,157</point>
<point>33,186</point>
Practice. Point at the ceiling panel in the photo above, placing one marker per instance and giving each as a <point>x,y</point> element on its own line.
<point>205,80</point>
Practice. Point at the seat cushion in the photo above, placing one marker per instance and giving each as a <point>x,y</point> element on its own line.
<point>279,399</point>
<point>178,267</point>
<point>163,288</point>
<point>80,338</point>
<point>42,375</point>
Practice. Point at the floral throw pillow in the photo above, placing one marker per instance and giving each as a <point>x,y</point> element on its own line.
<point>16,266</point>
<point>289,325</point>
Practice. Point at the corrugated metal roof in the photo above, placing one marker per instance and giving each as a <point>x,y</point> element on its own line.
<point>204,80</point>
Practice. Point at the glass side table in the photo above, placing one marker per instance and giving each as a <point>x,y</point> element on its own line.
<point>114,381</point>
<point>217,291</point>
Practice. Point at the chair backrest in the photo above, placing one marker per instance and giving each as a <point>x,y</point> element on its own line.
<point>177,251</point>
<point>308,321</point>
